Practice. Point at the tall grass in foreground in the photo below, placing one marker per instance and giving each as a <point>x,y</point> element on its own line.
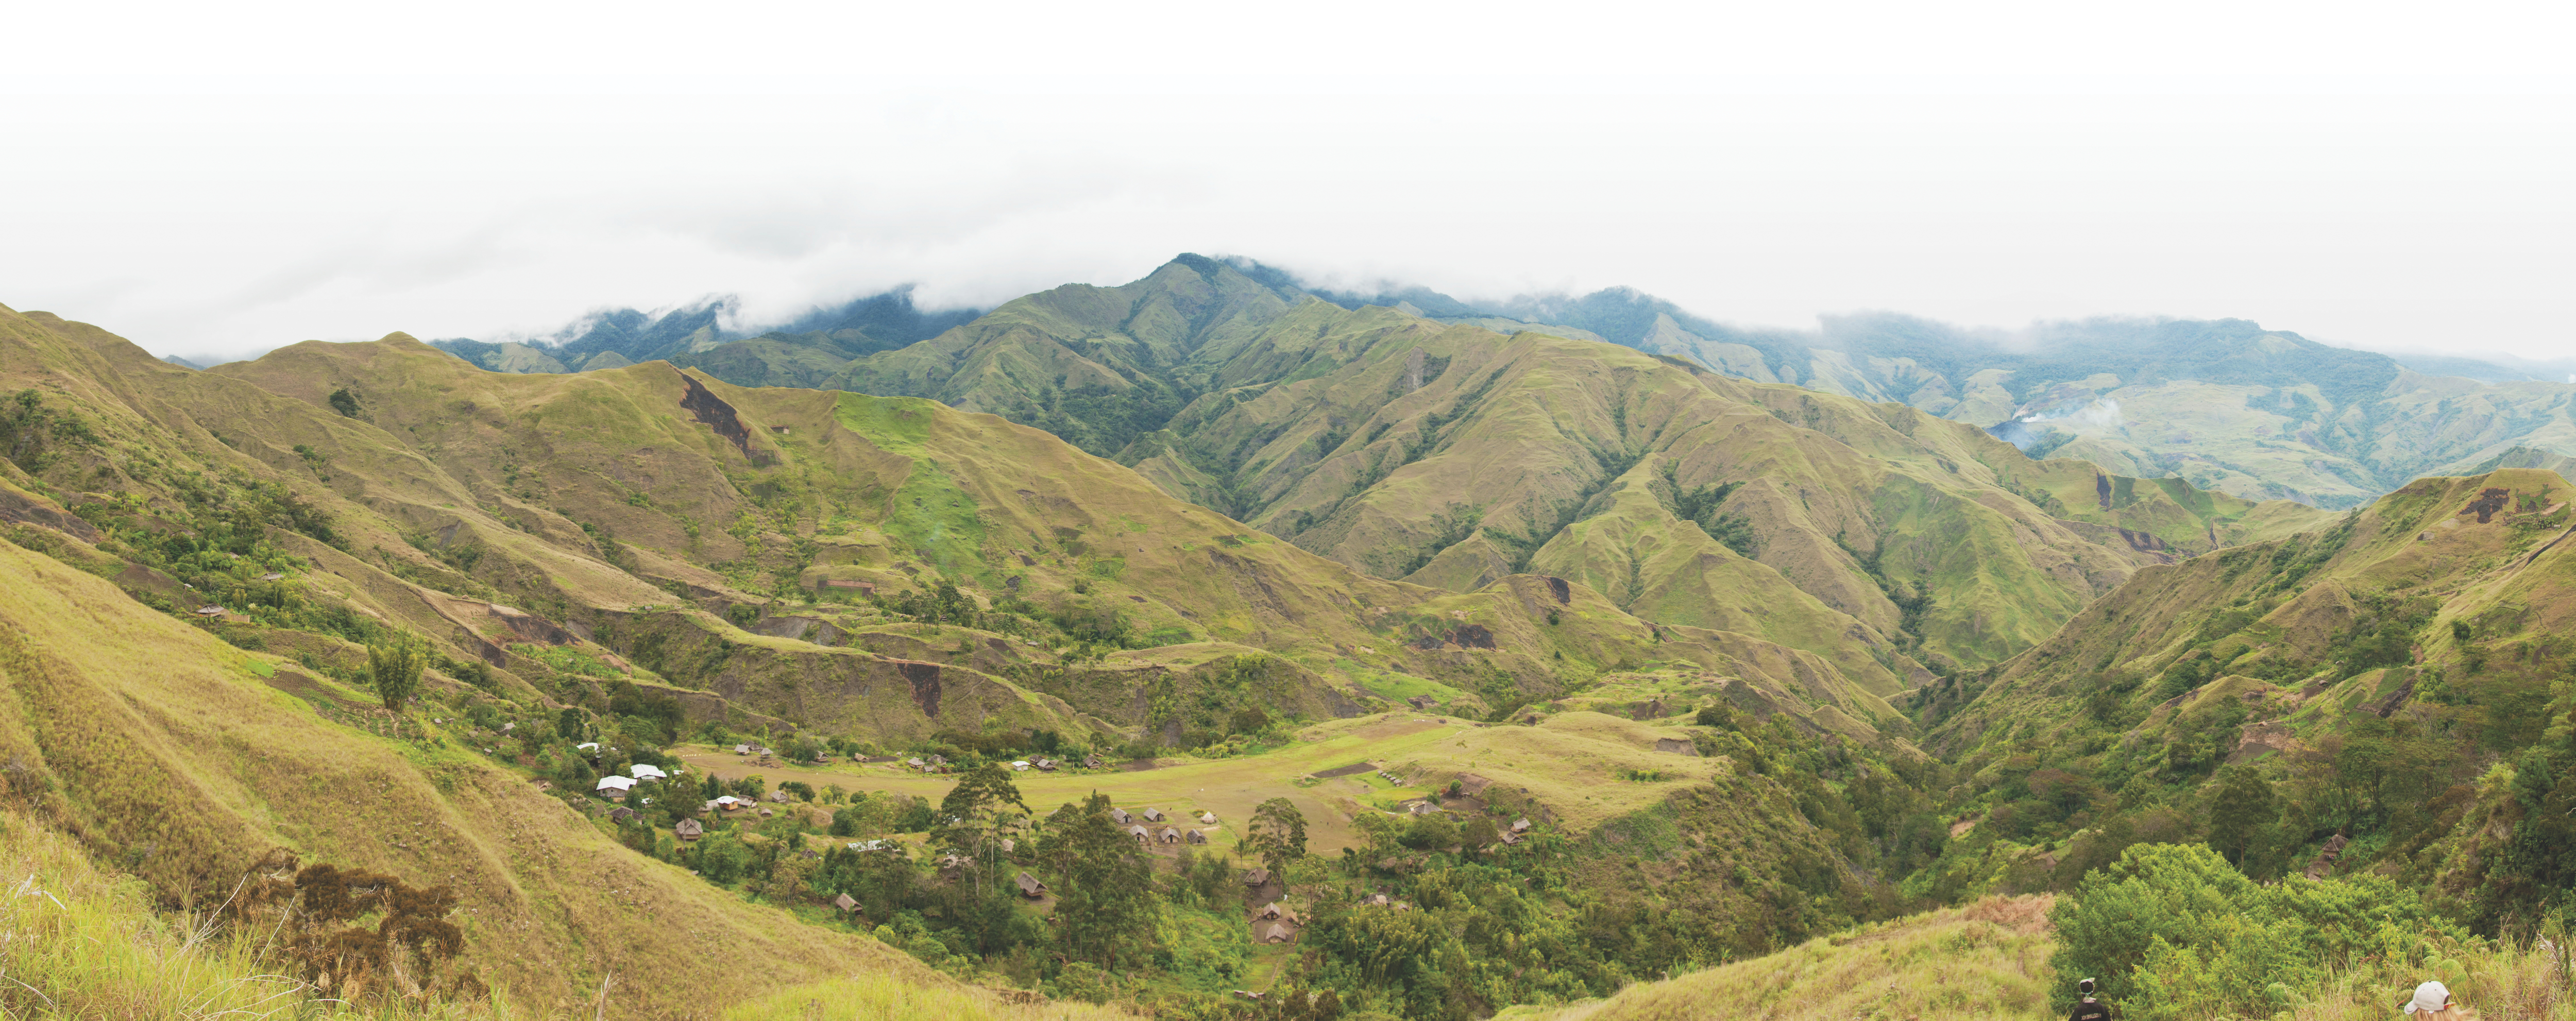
<point>2504,981</point>
<point>1987,961</point>
<point>79,942</point>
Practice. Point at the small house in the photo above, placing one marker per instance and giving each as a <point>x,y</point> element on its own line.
<point>1257,877</point>
<point>614,788</point>
<point>1030,887</point>
<point>1520,825</point>
<point>641,771</point>
<point>688,830</point>
<point>1510,839</point>
<point>1278,912</point>
<point>779,796</point>
<point>845,902</point>
<point>1044,765</point>
<point>767,812</point>
<point>729,803</point>
<point>1019,766</point>
<point>742,749</point>
<point>1169,835</point>
<point>915,761</point>
<point>1195,836</point>
<point>1120,816</point>
<point>1275,933</point>
<point>621,815</point>
<point>1153,815</point>
<point>1207,818</point>
<point>1138,832</point>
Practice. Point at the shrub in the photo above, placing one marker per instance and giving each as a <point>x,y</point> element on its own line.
<point>2174,931</point>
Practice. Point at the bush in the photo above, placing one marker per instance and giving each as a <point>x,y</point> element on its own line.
<point>2175,932</point>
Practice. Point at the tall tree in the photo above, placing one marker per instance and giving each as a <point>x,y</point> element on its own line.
<point>1279,836</point>
<point>1104,891</point>
<point>974,817</point>
<point>2239,811</point>
<point>394,666</point>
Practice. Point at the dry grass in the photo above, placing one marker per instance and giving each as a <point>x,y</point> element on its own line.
<point>80,942</point>
<point>2510,982</point>
<point>1982,962</point>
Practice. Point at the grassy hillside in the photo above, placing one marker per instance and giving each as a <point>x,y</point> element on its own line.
<point>1452,456</point>
<point>194,763</point>
<point>2382,696</point>
<point>1985,960</point>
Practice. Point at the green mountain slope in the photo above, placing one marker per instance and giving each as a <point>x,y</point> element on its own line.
<point>2368,676</point>
<point>696,538</point>
<point>2222,404</point>
<point>1452,456</point>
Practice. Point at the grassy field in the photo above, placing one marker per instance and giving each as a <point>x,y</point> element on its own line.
<point>1570,763</point>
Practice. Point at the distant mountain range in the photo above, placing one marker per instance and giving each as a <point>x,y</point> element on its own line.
<point>2221,404</point>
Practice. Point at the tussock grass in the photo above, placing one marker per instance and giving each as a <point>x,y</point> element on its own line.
<point>2507,981</point>
<point>77,941</point>
<point>1983,962</point>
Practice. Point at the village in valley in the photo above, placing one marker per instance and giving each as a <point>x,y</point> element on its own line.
<point>1270,825</point>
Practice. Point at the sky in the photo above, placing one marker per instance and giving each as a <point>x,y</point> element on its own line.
<point>215,181</point>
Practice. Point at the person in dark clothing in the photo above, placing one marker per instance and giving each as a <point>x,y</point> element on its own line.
<point>2088,1008</point>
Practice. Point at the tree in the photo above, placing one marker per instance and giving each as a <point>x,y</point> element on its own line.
<point>2239,811</point>
<point>971,817</point>
<point>1478,834</point>
<point>344,402</point>
<point>568,724</point>
<point>1104,890</point>
<point>394,667</point>
<point>1279,836</point>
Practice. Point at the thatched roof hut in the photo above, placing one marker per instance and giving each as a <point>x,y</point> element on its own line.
<point>1120,816</point>
<point>1169,835</point>
<point>845,902</point>
<point>1194,836</point>
<point>1275,933</point>
<point>1139,833</point>
<point>1030,887</point>
<point>1154,815</point>
<point>1257,877</point>
<point>688,829</point>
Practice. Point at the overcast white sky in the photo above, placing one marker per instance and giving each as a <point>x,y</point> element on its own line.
<point>211,180</point>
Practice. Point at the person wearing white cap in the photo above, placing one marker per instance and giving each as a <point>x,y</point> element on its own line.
<point>2087,1008</point>
<point>2432,1002</point>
